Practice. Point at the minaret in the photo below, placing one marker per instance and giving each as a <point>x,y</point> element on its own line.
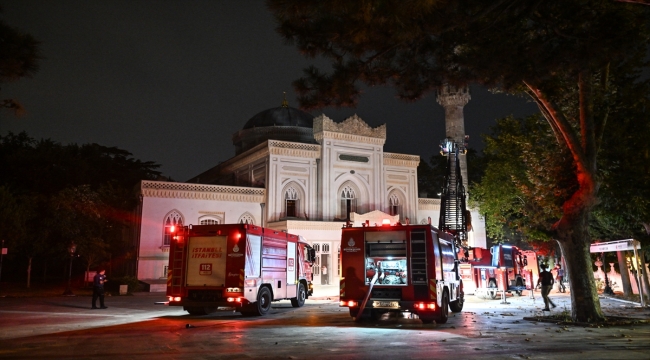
<point>453,99</point>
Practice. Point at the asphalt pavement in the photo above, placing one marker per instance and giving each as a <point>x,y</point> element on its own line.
<point>139,327</point>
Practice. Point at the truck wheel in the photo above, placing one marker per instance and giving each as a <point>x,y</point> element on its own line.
<point>492,289</point>
<point>263,304</point>
<point>444,309</point>
<point>299,300</point>
<point>457,305</point>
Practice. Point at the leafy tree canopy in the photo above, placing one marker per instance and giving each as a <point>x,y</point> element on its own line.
<point>19,57</point>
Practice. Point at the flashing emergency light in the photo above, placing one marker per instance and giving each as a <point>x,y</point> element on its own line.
<point>237,236</point>
<point>349,303</point>
<point>172,229</point>
<point>174,298</point>
<point>385,222</point>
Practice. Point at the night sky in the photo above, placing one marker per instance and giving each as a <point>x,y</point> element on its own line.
<point>171,81</point>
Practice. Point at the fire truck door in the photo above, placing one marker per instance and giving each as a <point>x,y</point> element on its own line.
<point>291,269</point>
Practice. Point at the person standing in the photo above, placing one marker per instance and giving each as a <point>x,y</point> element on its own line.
<point>546,280</point>
<point>98,289</point>
<point>560,278</point>
<point>324,278</point>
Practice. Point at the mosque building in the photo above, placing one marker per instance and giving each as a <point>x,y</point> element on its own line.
<point>297,173</point>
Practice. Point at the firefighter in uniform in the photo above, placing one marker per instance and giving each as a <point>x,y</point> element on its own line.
<point>98,289</point>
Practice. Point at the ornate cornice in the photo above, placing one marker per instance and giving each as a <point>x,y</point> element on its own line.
<point>306,225</point>
<point>449,95</point>
<point>162,189</point>
<point>401,160</point>
<point>351,129</point>
<point>428,204</point>
<point>286,148</point>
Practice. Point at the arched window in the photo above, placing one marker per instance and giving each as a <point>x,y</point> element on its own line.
<point>394,205</point>
<point>208,221</point>
<point>174,218</point>
<point>291,202</point>
<point>348,201</point>
<point>246,218</point>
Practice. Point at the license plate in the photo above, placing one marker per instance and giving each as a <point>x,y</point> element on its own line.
<point>385,304</point>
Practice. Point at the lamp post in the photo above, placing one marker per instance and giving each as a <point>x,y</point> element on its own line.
<point>71,249</point>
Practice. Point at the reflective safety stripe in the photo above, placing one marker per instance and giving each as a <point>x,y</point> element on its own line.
<point>433,289</point>
<point>241,278</point>
<point>169,277</point>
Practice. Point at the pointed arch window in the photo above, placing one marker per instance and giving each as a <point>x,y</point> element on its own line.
<point>291,202</point>
<point>395,207</point>
<point>173,219</point>
<point>246,218</point>
<point>348,202</point>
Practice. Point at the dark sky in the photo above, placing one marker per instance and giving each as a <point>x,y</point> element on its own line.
<point>171,81</point>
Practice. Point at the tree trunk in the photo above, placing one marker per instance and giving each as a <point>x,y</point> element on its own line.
<point>573,236</point>
<point>29,272</point>
<point>625,274</point>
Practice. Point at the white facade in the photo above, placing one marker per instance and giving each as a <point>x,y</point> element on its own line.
<point>305,189</point>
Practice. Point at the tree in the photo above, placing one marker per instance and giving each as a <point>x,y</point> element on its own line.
<point>19,56</point>
<point>80,218</point>
<point>558,52</point>
<point>74,193</point>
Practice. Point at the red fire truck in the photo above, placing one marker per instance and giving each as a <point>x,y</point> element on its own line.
<point>240,266</point>
<point>502,268</point>
<point>400,268</point>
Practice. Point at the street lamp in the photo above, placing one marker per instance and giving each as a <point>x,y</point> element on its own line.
<point>71,249</point>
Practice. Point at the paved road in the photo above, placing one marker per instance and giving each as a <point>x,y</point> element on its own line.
<point>134,327</point>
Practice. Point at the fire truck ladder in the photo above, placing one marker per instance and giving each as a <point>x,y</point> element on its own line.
<point>453,211</point>
<point>175,276</point>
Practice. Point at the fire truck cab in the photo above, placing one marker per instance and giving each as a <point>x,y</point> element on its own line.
<point>239,266</point>
<point>400,268</point>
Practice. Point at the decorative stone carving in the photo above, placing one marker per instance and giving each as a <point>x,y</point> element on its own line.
<point>393,159</point>
<point>351,129</point>
<point>428,204</point>
<point>162,189</point>
<point>449,95</point>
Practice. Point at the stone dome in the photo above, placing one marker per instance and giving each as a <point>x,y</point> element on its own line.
<point>281,116</point>
<point>282,123</point>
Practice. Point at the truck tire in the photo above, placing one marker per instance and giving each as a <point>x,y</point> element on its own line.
<point>492,289</point>
<point>457,305</point>
<point>443,316</point>
<point>300,298</point>
<point>263,304</point>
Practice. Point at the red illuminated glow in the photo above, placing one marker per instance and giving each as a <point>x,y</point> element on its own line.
<point>174,298</point>
<point>425,306</point>
<point>348,303</point>
<point>234,299</point>
<point>385,222</point>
